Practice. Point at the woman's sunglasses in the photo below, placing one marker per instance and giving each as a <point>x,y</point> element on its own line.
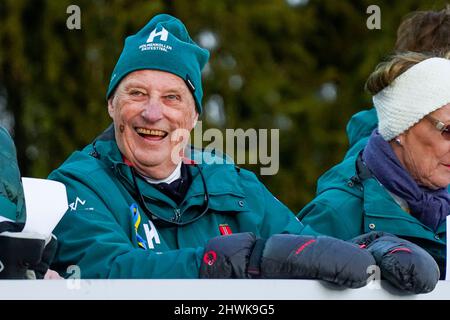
<point>442,127</point>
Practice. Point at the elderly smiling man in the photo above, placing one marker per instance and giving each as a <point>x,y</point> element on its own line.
<point>139,211</point>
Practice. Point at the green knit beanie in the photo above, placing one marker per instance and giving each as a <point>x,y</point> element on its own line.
<point>163,44</point>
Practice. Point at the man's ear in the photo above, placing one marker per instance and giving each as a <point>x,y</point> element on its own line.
<point>111,107</point>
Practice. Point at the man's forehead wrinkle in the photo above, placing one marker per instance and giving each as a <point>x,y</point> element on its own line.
<point>168,85</point>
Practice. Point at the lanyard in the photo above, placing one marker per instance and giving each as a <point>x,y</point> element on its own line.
<point>176,220</point>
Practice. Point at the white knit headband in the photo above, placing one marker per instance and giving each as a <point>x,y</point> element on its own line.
<point>420,90</point>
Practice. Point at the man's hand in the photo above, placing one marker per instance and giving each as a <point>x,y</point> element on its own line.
<point>52,275</point>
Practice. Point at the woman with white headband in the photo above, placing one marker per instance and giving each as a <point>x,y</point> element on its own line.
<point>398,183</point>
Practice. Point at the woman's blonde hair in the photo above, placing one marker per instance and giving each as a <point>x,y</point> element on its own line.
<point>386,72</point>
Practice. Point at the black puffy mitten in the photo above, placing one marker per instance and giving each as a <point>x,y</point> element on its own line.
<point>227,256</point>
<point>403,263</point>
<point>287,256</point>
<point>18,251</point>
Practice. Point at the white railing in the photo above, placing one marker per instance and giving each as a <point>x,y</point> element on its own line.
<point>73,289</point>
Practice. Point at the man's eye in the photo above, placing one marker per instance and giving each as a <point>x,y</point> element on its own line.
<point>173,97</point>
<point>137,93</point>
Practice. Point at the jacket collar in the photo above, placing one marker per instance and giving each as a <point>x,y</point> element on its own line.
<point>382,210</point>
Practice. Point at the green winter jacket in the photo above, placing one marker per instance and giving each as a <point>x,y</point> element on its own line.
<point>98,234</point>
<point>359,129</point>
<point>346,206</point>
<point>12,202</point>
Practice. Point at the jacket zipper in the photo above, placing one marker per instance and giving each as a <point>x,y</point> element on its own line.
<point>177,216</point>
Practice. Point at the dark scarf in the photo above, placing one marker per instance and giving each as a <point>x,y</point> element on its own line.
<point>178,189</point>
<point>431,207</point>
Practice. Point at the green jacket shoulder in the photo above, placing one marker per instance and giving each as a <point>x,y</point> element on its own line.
<point>12,201</point>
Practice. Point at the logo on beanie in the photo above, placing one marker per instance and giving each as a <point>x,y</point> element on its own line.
<point>162,35</point>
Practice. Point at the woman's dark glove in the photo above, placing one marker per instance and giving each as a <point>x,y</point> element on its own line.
<point>404,264</point>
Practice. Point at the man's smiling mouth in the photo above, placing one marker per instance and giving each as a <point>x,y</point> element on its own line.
<point>151,133</point>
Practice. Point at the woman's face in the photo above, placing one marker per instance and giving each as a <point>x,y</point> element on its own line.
<point>425,151</point>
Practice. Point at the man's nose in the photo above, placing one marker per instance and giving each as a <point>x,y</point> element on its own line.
<point>153,110</point>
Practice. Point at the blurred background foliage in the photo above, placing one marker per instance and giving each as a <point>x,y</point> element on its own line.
<point>296,65</point>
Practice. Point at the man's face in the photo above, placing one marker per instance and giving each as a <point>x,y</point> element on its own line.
<point>150,110</point>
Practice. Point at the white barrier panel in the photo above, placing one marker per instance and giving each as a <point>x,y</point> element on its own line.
<point>46,203</point>
<point>75,289</point>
